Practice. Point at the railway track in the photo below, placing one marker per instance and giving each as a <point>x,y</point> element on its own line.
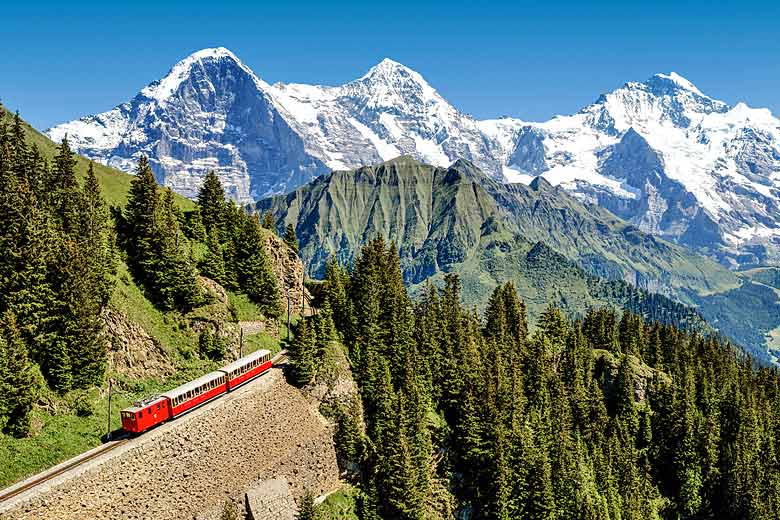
<point>59,470</point>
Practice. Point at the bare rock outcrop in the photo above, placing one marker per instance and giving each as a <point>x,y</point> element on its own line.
<point>288,269</point>
<point>132,350</point>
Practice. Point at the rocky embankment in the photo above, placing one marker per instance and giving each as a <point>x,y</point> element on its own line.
<point>190,467</point>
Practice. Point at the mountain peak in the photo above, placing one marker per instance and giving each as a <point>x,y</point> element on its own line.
<point>679,81</point>
<point>162,90</point>
<point>212,52</point>
<point>388,67</point>
<point>392,73</point>
<point>389,84</point>
<point>388,62</point>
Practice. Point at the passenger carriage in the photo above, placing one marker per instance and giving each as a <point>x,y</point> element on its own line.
<point>160,408</point>
<point>194,393</point>
<point>242,370</point>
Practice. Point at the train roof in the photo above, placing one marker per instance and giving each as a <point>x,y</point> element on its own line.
<point>140,405</point>
<point>192,385</point>
<point>257,354</point>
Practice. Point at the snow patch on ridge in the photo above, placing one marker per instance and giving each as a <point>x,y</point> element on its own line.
<point>386,150</point>
<point>682,82</point>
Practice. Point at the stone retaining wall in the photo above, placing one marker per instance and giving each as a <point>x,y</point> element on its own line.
<point>270,500</point>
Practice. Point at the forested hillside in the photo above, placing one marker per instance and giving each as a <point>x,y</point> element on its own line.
<point>606,417</point>
<point>90,291</point>
<point>56,268</point>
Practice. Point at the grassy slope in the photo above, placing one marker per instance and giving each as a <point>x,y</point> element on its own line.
<point>60,432</point>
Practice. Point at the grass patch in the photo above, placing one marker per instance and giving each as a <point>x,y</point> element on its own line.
<point>167,327</point>
<point>261,340</point>
<point>244,308</point>
<point>339,505</point>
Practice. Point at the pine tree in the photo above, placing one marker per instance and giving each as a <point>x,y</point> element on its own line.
<point>81,327</point>
<point>541,500</point>
<point>65,190</point>
<point>194,228</point>
<point>269,222</point>
<point>623,398</point>
<point>175,277</point>
<point>98,238</point>
<point>306,508</point>
<point>402,498</point>
<point>211,203</point>
<point>141,216</point>
<point>255,275</point>
<point>556,329</point>
<point>290,239</point>
<point>335,292</point>
<point>302,353</point>
<point>349,437</point>
<point>19,386</point>
<point>213,265</point>
<point>211,345</point>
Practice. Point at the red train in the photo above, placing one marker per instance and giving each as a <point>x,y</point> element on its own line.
<point>160,408</point>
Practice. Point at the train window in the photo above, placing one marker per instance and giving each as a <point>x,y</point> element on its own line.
<point>158,407</point>
<point>140,414</point>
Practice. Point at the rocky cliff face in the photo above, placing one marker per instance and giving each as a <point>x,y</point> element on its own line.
<point>132,350</point>
<point>289,271</point>
<point>209,113</point>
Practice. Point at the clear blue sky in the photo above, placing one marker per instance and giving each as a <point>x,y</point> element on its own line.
<point>532,60</point>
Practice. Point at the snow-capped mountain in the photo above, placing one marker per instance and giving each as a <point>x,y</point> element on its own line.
<point>388,112</point>
<point>211,112</point>
<point>670,159</point>
<point>658,153</point>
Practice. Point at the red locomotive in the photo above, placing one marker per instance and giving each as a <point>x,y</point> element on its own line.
<point>160,408</point>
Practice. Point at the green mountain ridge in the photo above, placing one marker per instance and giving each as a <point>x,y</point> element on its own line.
<point>457,219</point>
